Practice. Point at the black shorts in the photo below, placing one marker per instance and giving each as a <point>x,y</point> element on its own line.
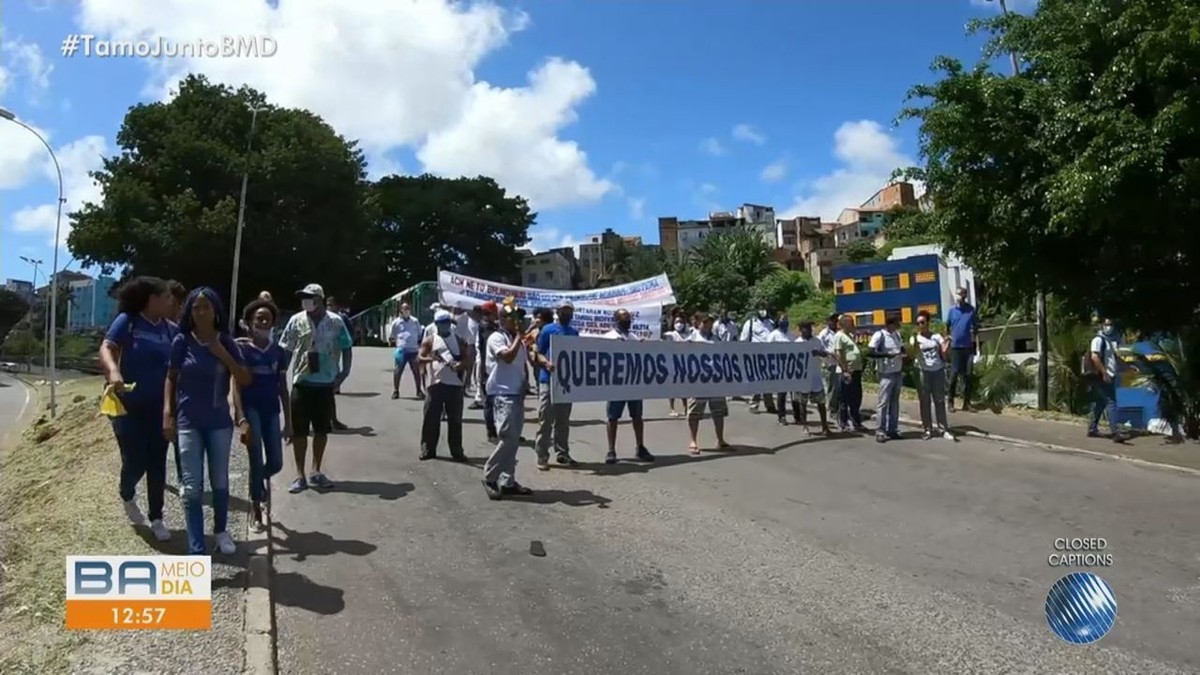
<point>312,410</point>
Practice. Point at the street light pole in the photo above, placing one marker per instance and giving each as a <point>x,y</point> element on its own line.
<point>53,328</point>
<point>46,320</point>
<point>237,243</point>
<point>1043,331</point>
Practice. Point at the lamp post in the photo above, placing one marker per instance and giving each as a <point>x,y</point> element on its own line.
<point>53,328</point>
<point>46,331</point>
<point>237,242</point>
<point>1043,331</point>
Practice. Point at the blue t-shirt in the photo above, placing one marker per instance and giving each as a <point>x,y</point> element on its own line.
<point>145,349</point>
<point>963,324</point>
<point>262,394</point>
<point>543,345</point>
<point>202,389</point>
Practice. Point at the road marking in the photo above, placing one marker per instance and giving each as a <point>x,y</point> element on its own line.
<point>16,422</point>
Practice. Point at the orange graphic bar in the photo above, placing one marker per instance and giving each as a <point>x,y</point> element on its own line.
<point>117,614</point>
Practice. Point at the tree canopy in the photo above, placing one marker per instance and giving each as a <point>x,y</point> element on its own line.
<point>1080,173</point>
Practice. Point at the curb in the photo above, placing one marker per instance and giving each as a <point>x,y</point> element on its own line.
<point>1053,447</point>
<point>259,610</point>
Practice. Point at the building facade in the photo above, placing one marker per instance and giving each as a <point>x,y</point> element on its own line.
<point>92,304</point>
<point>872,292</point>
<point>892,195</point>
<point>554,269</point>
<point>20,287</point>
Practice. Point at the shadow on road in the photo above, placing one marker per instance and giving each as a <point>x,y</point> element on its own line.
<point>709,454</point>
<point>359,394</point>
<point>385,491</point>
<point>367,431</point>
<point>301,545</point>
<point>293,589</point>
<point>567,497</point>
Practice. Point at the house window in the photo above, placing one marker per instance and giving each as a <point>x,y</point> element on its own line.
<point>896,315</point>
<point>891,282</point>
<point>925,277</point>
<point>932,309</point>
<point>1023,346</point>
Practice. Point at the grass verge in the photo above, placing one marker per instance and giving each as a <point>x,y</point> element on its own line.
<point>57,498</point>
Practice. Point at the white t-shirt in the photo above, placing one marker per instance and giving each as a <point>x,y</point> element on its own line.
<point>616,334</point>
<point>726,331</point>
<point>505,379</point>
<point>757,329</point>
<point>889,343</point>
<point>430,331</point>
<point>778,336</point>
<point>697,336</point>
<point>406,334</point>
<point>931,351</point>
<point>1109,351</point>
<point>673,336</point>
<point>826,338</point>
<point>814,383</point>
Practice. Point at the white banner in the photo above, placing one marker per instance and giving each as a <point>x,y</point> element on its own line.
<point>590,369</point>
<point>592,321</point>
<point>467,292</point>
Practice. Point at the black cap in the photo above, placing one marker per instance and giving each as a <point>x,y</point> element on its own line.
<point>834,317</point>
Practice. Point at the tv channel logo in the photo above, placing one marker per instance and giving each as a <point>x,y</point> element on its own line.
<point>139,592</point>
<point>1080,608</point>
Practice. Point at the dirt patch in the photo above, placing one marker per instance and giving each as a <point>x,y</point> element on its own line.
<point>53,482</point>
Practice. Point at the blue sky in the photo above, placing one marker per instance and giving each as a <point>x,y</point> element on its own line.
<point>605,113</point>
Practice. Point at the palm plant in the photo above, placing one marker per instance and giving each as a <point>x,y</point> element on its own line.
<point>1175,377</point>
<point>1069,390</point>
<point>742,252</point>
<point>999,380</point>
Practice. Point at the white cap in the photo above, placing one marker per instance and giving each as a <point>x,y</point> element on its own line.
<point>312,290</point>
<point>436,306</point>
<point>442,315</point>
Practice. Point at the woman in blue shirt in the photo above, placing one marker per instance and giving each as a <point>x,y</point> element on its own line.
<point>134,353</point>
<point>196,411</point>
<point>258,404</point>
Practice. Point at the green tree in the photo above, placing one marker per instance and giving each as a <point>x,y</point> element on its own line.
<point>23,343</point>
<point>170,204</point>
<point>862,250</point>
<point>426,223</point>
<point>719,273</point>
<point>781,290</point>
<point>13,309</point>
<point>1079,174</point>
<point>630,262</point>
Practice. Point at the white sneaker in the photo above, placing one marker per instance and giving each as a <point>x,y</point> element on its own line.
<point>133,513</point>
<point>949,436</point>
<point>225,543</point>
<point>160,530</point>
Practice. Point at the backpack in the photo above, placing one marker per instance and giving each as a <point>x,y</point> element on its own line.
<point>1086,366</point>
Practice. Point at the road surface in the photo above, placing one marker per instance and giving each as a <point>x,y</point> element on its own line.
<point>16,400</point>
<point>784,556</point>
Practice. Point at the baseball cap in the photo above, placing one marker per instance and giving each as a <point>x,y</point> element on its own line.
<point>489,306</point>
<point>312,290</point>
<point>566,304</point>
<point>442,315</point>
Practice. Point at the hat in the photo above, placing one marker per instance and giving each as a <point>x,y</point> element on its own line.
<point>489,306</point>
<point>312,290</point>
<point>442,315</point>
<point>567,304</point>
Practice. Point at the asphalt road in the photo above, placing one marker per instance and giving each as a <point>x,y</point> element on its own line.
<point>15,400</point>
<point>784,556</point>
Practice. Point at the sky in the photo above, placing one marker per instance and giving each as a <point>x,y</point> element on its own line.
<point>603,113</point>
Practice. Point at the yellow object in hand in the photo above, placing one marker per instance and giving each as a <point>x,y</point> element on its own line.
<point>110,403</point>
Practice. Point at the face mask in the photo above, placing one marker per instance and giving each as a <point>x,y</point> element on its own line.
<point>308,304</point>
<point>405,314</point>
<point>624,324</point>
<point>565,320</point>
<point>762,313</point>
<point>680,327</point>
<point>783,325</point>
<point>806,334</point>
<point>443,329</point>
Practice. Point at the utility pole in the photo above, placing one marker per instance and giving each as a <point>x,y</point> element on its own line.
<point>237,244</point>
<point>1043,332</point>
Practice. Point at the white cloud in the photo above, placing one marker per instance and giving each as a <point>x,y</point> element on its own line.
<point>711,146</point>
<point>748,134</point>
<point>637,208</point>
<point>381,166</point>
<point>546,237</point>
<point>775,171</point>
<point>868,156</point>
<point>28,57</point>
<point>21,154</point>
<point>708,189</point>
<point>391,73</point>
<point>77,160</point>
<point>5,79</point>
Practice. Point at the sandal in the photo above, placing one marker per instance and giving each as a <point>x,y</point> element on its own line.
<point>694,450</point>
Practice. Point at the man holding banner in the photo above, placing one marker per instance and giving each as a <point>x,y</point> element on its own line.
<point>624,322</point>
<point>554,419</point>
<point>717,406</point>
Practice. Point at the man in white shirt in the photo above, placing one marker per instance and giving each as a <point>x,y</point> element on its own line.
<point>930,351</point>
<point>758,329</point>
<point>780,334</point>
<point>833,380</point>
<point>405,334</point>
<point>1100,370</point>
<point>717,407</point>
<point>623,321</point>
<point>813,390</point>
<point>507,354</point>
<point>887,347</point>
<point>726,329</point>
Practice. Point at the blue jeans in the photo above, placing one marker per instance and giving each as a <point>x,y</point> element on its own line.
<point>143,453</point>
<point>266,451</point>
<point>196,446</point>
<point>1104,402</point>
